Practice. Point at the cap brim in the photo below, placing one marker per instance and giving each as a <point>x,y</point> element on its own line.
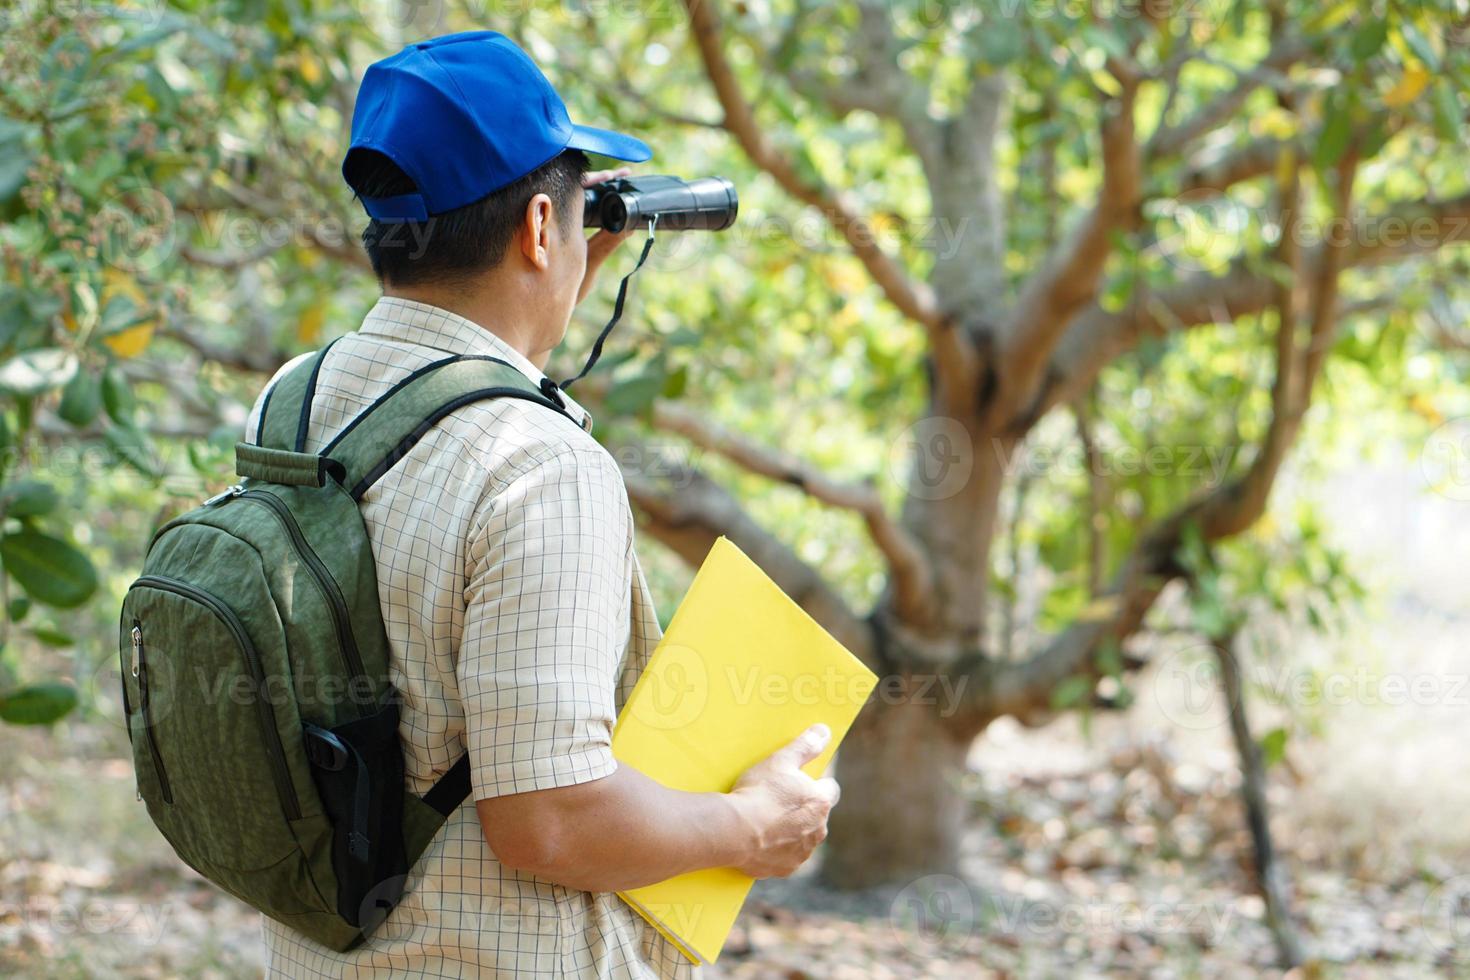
<point>619,146</point>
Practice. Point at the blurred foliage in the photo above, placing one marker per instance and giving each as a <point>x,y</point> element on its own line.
<point>174,227</point>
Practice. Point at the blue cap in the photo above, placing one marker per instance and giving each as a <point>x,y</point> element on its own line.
<point>464,115</point>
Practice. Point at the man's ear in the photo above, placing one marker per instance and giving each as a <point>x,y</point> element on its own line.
<point>535,236</point>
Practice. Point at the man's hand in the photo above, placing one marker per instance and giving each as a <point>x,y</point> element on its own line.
<point>625,830</point>
<point>785,808</point>
<point>602,243</point>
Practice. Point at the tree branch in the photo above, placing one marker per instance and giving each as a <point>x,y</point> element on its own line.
<point>1070,278</point>
<point>1023,688</point>
<point>1170,140</point>
<point>1255,159</point>
<point>909,572</point>
<point>878,84</point>
<point>1096,337</point>
<point>692,512</point>
<point>954,355</point>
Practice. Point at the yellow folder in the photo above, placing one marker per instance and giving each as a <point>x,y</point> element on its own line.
<point>741,671</point>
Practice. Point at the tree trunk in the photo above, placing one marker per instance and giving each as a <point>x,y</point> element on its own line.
<point>903,806</point>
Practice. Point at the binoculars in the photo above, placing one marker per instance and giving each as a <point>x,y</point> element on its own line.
<point>703,204</point>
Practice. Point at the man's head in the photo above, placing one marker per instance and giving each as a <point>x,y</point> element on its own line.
<point>466,161</point>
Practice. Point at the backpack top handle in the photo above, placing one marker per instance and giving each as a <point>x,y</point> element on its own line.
<point>383,433</point>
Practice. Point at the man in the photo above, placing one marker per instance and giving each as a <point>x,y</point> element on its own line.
<point>518,616</point>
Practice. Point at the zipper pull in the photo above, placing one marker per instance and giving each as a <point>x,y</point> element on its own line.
<point>225,494</point>
<point>137,648</point>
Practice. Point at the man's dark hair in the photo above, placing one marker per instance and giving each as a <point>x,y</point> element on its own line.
<point>454,246</point>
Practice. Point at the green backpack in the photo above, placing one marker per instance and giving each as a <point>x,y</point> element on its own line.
<point>255,666</point>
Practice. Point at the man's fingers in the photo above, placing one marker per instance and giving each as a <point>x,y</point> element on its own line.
<point>805,747</point>
<point>829,790</point>
<point>598,176</point>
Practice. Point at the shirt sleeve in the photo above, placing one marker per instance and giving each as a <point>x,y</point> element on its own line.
<point>546,624</point>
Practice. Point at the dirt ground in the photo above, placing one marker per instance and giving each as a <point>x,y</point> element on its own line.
<point>1116,860</point>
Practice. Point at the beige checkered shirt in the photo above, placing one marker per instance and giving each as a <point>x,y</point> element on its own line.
<point>519,620</point>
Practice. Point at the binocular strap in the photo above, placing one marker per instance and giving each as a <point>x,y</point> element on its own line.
<point>617,308</point>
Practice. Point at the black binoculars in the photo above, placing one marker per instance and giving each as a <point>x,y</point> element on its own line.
<point>704,204</point>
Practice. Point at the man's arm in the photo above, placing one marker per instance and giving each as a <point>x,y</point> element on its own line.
<point>546,607</point>
<point>626,830</point>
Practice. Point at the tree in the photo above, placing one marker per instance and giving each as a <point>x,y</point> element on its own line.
<point>1003,355</point>
<point>1067,209</point>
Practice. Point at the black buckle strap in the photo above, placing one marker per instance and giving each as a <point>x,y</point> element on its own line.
<point>451,789</point>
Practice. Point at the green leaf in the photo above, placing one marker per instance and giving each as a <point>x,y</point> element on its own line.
<point>676,383</point>
<point>1336,131</point>
<point>1273,746</point>
<point>1420,45</point>
<point>117,397</point>
<point>53,638</point>
<point>18,607</point>
<point>1368,39</point>
<point>37,704</point>
<point>28,498</point>
<point>49,569</point>
<point>15,162</point>
<point>119,314</point>
<point>636,394</point>
<point>1071,691</point>
<point>1448,116</point>
<point>81,399</point>
<point>134,448</point>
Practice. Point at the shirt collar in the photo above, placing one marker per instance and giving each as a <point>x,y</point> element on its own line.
<point>409,321</point>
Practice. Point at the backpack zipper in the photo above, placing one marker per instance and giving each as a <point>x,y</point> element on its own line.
<point>140,674</point>
<point>341,619</point>
<point>279,769</point>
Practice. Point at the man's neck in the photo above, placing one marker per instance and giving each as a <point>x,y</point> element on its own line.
<point>485,309</point>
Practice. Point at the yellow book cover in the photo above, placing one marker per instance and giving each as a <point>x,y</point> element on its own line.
<point>741,671</point>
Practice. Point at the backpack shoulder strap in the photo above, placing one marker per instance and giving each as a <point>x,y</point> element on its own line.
<point>386,430</point>
<point>286,411</point>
